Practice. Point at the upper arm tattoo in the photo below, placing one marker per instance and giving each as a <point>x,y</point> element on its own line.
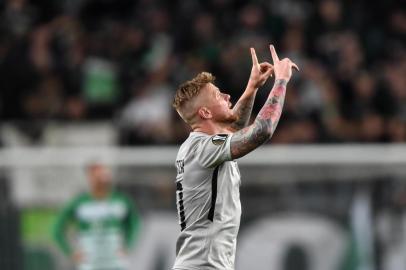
<point>249,138</point>
<point>243,109</point>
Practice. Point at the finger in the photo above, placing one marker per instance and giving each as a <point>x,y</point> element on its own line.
<point>266,64</point>
<point>275,57</point>
<point>269,72</point>
<point>254,57</point>
<point>295,66</point>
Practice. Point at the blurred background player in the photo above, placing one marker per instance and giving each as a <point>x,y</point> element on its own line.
<point>105,223</point>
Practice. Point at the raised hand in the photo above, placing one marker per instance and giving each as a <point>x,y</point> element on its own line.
<point>247,139</point>
<point>260,72</point>
<point>282,68</point>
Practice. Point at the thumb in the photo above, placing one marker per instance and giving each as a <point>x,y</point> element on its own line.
<point>268,73</point>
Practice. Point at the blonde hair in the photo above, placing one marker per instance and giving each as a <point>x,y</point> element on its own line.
<point>190,89</point>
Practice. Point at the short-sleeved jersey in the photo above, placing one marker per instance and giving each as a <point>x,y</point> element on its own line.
<point>104,228</point>
<point>208,201</point>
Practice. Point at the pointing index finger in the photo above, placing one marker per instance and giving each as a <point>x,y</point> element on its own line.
<point>254,57</point>
<point>275,57</point>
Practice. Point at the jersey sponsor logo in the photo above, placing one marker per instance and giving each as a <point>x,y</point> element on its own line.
<point>219,139</point>
<point>95,211</point>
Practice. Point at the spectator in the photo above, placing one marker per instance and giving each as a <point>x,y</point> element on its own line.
<point>107,60</point>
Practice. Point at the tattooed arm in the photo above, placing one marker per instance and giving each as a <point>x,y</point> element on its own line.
<point>260,72</point>
<point>249,138</point>
<point>243,109</point>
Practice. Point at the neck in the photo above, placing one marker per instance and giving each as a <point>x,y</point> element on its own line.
<point>211,128</point>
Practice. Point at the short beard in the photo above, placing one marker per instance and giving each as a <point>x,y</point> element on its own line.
<point>229,119</point>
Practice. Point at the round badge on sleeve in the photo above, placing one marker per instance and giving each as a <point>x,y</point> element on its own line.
<point>219,139</point>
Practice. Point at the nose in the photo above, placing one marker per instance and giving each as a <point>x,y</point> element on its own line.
<point>226,97</point>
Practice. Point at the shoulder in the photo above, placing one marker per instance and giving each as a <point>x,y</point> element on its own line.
<point>196,137</point>
<point>216,139</point>
<point>219,139</point>
<point>81,197</point>
<point>192,141</point>
<point>77,201</point>
<point>117,195</point>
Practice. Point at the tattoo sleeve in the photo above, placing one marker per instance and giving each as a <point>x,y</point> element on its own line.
<point>249,138</point>
<point>243,109</point>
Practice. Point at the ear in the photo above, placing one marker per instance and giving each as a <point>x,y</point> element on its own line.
<point>204,113</point>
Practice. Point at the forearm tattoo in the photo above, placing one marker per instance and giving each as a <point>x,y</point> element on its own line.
<point>249,138</point>
<point>272,109</point>
<point>243,109</point>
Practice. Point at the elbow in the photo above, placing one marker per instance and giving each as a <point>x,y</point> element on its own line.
<point>266,136</point>
<point>262,137</point>
<point>263,131</point>
<point>270,132</point>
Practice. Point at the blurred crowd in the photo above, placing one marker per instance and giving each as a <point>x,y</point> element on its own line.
<point>122,60</point>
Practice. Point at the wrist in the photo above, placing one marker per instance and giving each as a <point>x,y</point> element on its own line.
<point>283,80</point>
<point>251,87</point>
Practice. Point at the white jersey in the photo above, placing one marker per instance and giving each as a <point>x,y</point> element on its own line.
<point>208,201</point>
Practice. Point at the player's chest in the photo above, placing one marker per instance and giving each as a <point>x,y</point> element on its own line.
<point>101,211</point>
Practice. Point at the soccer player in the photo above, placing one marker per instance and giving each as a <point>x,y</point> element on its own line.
<point>208,178</point>
<point>105,223</point>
